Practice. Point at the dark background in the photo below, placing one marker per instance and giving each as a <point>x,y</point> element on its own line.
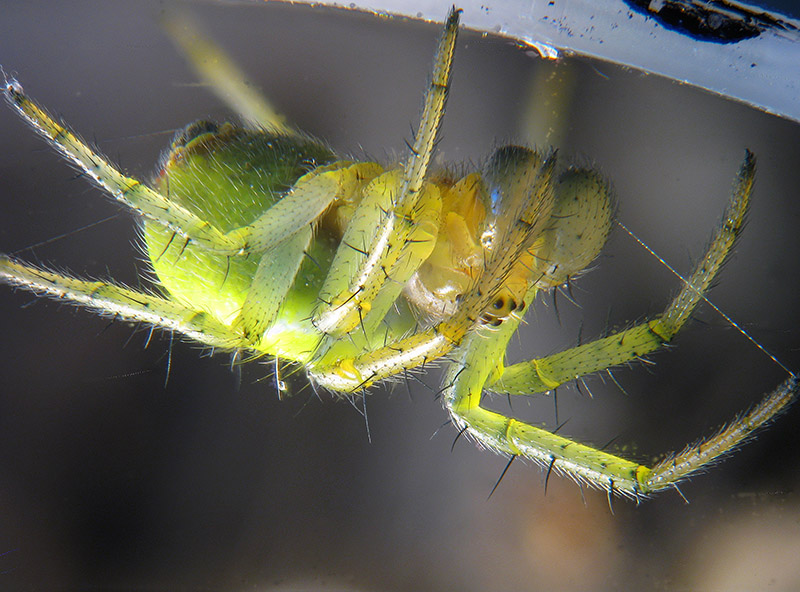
<point>109,479</point>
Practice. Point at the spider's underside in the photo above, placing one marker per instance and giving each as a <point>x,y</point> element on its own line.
<point>264,242</point>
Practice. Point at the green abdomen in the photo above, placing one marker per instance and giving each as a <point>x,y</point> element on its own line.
<point>229,177</point>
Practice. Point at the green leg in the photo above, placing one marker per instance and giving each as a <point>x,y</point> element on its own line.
<point>220,72</point>
<point>123,303</point>
<point>127,190</point>
<point>365,279</point>
<point>274,278</point>
<point>310,196</point>
<point>395,251</point>
<point>464,382</point>
<point>536,376</point>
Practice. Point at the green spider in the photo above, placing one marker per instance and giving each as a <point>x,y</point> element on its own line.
<point>265,243</point>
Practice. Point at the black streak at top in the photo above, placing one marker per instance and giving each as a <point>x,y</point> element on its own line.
<point>716,20</point>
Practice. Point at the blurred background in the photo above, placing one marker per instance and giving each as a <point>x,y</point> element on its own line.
<point>112,479</point>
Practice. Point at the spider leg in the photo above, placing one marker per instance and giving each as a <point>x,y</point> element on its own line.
<point>464,382</point>
<point>273,279</point>
<point>540,375</point>
<point>474,364</point>
<point>214,67</point>
<point>469,369</point>
<point>118,301</point>
<point>127,190</point>
<point>305,202</point>
<point>310,196</point>
<point>396,249</point>
<point>365,279</point>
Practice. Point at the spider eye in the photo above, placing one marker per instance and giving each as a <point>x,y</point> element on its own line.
<point>504,303</point>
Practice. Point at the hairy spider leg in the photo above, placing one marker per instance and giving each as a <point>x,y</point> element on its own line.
<point>417,232</point>
<point>406,219</point>
<point>121,302</point>
<point>544,374</point>
<point>304,203</point>
<point>279,266</point>
<point>214,67</point>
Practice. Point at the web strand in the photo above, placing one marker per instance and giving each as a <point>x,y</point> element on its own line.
<point>719,311</point>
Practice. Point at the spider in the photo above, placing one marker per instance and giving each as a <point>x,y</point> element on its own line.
<point>265,243</point>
